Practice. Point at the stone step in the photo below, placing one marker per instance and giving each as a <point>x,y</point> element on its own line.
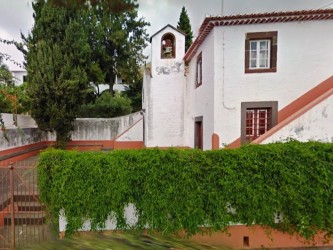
<point>25,197</point>
<point>28,206</point>
<point>24,202</point>
<point>26,218</point>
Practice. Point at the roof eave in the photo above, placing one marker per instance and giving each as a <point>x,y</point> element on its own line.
<point>169,25</point>
<point>210,22</point>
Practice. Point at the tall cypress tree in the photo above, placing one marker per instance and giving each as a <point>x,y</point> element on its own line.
<point>185,26</point>
<point>116,35</point>
<point>71,46</point>
<point>57,61</point>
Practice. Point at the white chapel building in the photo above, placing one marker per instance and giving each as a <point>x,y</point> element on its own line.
<point>248,78</point>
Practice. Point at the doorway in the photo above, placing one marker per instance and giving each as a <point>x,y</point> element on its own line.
<point>198,133</point>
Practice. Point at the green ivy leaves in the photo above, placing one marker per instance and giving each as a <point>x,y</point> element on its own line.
<point>175,190</point>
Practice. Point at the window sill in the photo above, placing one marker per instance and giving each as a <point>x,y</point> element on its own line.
<point>249,71</point>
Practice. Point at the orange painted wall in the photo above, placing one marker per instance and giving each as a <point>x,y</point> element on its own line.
<point>128,144</point>
<point>215,141</point>
<point>22,148</point>
<point>22,152</point>
<point>258,238</point>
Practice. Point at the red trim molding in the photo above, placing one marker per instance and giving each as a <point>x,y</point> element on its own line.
<point>235,144</point>
<point>305,99</point>
<point>128,144</point>
<point>215,141</point>
<point>293,117</point>
<point>21,153</point>
<point>276,17</point>
<point>128,129</point>
<point>90,145</point>
<point>296,109</point>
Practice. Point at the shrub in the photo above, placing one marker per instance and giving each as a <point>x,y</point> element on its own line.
<point>107,106</point>
<point>176,190</point>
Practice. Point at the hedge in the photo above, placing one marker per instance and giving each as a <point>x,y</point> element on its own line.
<point>175,190</point>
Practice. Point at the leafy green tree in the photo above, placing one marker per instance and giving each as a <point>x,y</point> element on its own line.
<point>6,76</point>
<point>5,104</point>
<point>58,58</point>
<point>117,42</point>
<point>134,93</point>
<point>74,43</point>
<point>14,99</point>
<point>113,6</point>
<point>23,100</point>
<point>7,100</point>
<point>185,26</point>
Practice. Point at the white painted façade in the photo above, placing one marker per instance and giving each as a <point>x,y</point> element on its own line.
<point>247,78</point>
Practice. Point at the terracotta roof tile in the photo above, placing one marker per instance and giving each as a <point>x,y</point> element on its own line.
<point>275,17</point>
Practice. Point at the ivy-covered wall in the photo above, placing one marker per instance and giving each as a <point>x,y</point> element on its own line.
<point>174,190</point>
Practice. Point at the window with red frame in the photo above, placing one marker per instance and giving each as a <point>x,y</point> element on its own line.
<point>261,52</point>
<point>258,122</point>
<point>257,118</point>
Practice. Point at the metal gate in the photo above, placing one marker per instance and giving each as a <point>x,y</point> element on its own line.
<point>22,217</point>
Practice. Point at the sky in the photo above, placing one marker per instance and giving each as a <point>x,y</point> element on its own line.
<point>16,15</point>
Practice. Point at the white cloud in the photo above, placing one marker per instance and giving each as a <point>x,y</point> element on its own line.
<point>16,15</point>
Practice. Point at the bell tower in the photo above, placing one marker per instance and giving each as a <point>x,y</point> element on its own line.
<point>163,87</point>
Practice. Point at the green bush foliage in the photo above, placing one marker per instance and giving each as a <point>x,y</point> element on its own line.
<point>107,106</point>
<point>175,190</point>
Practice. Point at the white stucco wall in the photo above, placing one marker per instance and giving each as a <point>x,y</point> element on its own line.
<point>110,223</point>
<point>26,132</point>
<point>164,94</point>
<point>117,86</point>
<point>23,121</point>
<point>134,133</point>
<point>200,100</point>
<point>146,99</point>
<point>316,125</point>
<point>304,59</point>
<point>102,128</point>
<point>18,76</point>
<point>128,128</point>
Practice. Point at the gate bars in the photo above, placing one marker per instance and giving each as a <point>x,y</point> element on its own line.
<point>22,218</point>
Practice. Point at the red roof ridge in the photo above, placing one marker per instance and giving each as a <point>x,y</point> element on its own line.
<point>241,19</point>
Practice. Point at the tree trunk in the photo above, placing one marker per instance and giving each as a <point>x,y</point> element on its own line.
<point>111,83</point>
<point>63,135</point>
